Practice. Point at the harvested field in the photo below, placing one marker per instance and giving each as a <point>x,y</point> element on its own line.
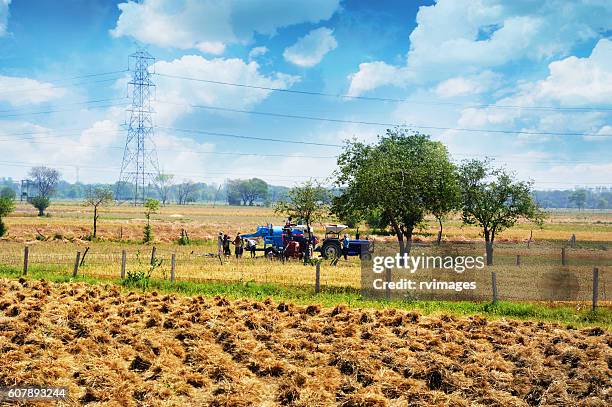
<point>110,347</point>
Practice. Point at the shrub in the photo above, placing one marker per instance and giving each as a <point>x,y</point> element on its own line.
<point>41,203</point>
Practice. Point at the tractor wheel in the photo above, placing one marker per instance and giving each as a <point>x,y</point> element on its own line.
<point>330,250</point>
<point>270,250</point>
<point>366,257</point>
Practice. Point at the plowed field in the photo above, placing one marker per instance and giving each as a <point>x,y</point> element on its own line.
<point>115,348</point>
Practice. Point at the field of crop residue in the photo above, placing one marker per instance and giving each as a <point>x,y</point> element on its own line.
<point>118,348</point>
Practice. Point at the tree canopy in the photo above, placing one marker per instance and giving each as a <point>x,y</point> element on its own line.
<point>46,180</point>
<point>246,191</point>
<point>494,200</point>
<point>308,202</point>
<point>401,178</point>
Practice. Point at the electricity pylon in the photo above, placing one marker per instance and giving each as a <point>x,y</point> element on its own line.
<point>140,165</point>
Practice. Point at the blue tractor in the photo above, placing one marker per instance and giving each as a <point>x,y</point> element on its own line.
<point>331,247</point>
<point>276,238</point>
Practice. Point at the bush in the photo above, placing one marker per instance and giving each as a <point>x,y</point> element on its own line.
<point>7,205</point>
<point>41,203</point>
<point>8,192</point>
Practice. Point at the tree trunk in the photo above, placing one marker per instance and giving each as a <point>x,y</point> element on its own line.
<point>41,212</point>
<point>439,232</point>
<point>409,240</point>
<point>489,246</point>
<point>95,222</point>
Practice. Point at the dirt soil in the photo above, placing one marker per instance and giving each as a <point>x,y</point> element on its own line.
<point>122,349</point>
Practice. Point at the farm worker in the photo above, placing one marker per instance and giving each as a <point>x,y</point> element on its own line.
<point>252,246</point>
<point>220,244</point>
<point>345,246</point>
<point>238,245</point>
<point>226,246</point>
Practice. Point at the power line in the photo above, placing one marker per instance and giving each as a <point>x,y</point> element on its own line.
<point>115,169</point>
<point>233,153</point>
<point>248,137</point>
<point>383,124</point>
<point>68,110</point>
<point>382,99</point>
<point>54,84</point>
<point>228,153</point>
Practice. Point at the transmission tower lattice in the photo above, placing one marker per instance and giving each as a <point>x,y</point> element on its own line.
<point>140,165</point>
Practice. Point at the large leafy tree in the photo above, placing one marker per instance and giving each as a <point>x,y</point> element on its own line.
<point>246,190</point>
<point>494,200</point>
<point>401,178</point>
<point>97,197</point>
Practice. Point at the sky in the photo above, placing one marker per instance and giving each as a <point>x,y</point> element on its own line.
<point>526,83</point>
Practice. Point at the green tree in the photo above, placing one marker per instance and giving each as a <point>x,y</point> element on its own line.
<point>252,190</point>
<point>308,202</point>
<point>246,191</point>
<point>445,192</point>
<point>41,203</point>
<point>7,205</point>
<point>8,192</point>
<point>578,198</point>
<point>151,206</point>
<point>395,178</point>
<point>97,197</point>
<point>493,200</point>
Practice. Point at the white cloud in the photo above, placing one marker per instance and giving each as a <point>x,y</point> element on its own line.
<point>468,85</point>
<point>311,48</point>
<point>191,23</point>
<point>372,75</point>
<point>577,81</point>
<point>19,91</point>
<point>571,81</point>
<point>215,48</point>
<point>4,13</point>
<point>181,93</point>
<point>257,52</point>
<point>458,37</point>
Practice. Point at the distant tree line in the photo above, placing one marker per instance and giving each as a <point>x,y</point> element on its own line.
<point>164,188</point>
<point>592,198</point>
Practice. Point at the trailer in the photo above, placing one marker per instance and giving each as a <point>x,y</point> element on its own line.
<point>277,238</point>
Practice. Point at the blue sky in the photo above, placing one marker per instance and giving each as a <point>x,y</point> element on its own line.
<point>492,67</point>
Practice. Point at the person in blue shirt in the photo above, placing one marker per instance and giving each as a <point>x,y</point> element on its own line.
<point>345,246</point>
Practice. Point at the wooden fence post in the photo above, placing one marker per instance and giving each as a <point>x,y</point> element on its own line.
<point>518,259</point>
<point>494,286</point>
<point>172,267</point>
<point>153,255</point>
<point>318,278</point>
<point>387,289</point>
<point>595,287</point>
<point>123,261</point>
<point>76,264</point>
<point>26,255</point>
<point>563,259</point>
